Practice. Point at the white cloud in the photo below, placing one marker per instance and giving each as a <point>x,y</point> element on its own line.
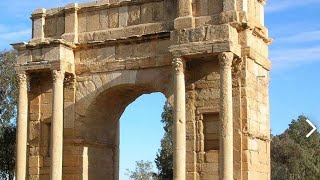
<point>280,5</point>
<point>309,36</point>
<point>14,35</point>
<point>286,58</point>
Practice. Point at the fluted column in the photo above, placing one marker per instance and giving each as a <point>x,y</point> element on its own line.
<point>22,127</point>
<point>57,125</point>
<point>226,124</point>
<point>179,136</point>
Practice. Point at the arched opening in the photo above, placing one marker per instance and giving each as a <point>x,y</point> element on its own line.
<point>100,130</point>
<point>141,131</point>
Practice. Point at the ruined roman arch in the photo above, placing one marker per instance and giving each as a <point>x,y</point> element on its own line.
<point>86,62</point>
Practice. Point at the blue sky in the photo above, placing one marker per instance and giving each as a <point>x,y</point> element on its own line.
<point>295,78</point>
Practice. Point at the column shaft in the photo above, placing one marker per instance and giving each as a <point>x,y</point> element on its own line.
<point>22,128</point>
<point>57,126</point>
<point>179,160</point>
<point>226,118</point>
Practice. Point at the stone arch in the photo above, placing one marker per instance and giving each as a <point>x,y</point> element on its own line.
<point>98,127</point>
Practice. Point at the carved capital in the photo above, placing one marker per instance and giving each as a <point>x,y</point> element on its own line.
<point>22,78</point>
<point>225,59</point>
<point>178,65</point>
<point>57,76</point>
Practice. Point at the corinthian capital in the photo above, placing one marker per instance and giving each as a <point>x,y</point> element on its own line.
<point>22,78</point>
<point>178,65</point>
<point>225,59</point>
<point>57,75</point>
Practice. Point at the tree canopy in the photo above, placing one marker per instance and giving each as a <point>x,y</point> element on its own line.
<point>143,171</point>
<point>8,114</point>
<point>8,87</point>
<point>164,158</point>
<point>293,155</point>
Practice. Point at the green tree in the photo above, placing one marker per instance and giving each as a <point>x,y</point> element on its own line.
<point>8,87</point>
<point>293,156</point>
<point>8,113</point>
<point>7,152</point>
<point>143,171</point>
<point>164,159</point>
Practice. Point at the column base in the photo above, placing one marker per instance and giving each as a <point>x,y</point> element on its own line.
<point>184,22</point>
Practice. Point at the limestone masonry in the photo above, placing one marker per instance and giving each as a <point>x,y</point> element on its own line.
<point>87,62</point>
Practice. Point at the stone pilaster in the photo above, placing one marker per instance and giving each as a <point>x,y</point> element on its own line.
<point>185,18</point>
<point>179,136</point>
<point>71,23</point>
<point>57,125</point>
<point>226,117</point>
<point>38,21</point>
<point>22,127</point>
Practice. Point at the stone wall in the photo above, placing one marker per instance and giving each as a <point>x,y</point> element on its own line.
<point>203,95</point>
<point>123,56</point>
<point>107,20</point>
<point>256,121</point>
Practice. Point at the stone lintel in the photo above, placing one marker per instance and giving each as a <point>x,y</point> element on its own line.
<point>197,48</point>
<point>49,42</point>
<point>55,52</point>
<point>46,66</point>
<point>136,31</point>
<point>48,55</point>
<point>257,57</point>
<point>87,142</point>
<point>132,39</point>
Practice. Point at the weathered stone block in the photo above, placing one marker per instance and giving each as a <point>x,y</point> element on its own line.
<point>104,19</point>
<point>93,22</point>
<point>158,10</point>
<point>123,16</point>
<point>134,15</point>
<point>113,15</point>
<point>215,6</point>
<point>146,13</point>
<point>82,20</point>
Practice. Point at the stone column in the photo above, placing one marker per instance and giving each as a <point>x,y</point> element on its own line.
<point>57,126</point>
<point>226,117</point>
<point>179,133</point>
<point>185,18</point>
<point>22,127</point>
